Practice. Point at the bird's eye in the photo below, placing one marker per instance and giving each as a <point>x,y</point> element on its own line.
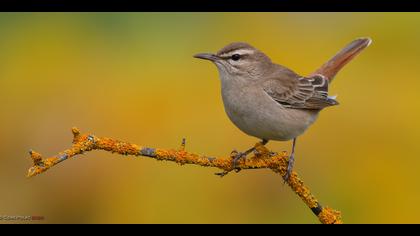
<point>236,57</point>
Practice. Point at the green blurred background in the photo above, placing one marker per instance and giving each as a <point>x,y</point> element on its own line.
<point>132,76</point>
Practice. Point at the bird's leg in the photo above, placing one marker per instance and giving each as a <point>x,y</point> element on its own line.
<point>241,155</point>
<point>290,162</point>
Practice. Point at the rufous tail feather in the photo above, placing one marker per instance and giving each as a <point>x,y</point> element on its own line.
<point>332,66</point>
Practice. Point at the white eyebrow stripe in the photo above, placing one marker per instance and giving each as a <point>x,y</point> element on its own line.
<point>238,51</point>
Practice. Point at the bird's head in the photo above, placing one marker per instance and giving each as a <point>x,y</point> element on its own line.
<point>238,59</point>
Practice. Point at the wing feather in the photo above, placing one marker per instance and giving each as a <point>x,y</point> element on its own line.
<point>300,92</point>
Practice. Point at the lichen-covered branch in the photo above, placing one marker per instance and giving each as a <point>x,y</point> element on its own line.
<point>262,158</point>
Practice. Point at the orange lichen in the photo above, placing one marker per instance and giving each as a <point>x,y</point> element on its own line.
<point>261,151</point>
<point>302,191</point>
<point>330,216</point>
<point>262,158</point>
<point>36,157</point>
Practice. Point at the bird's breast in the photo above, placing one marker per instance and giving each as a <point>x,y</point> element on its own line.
<point>258,115</point>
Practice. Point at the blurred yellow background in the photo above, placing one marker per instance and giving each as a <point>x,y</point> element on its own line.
<point>132,76</point>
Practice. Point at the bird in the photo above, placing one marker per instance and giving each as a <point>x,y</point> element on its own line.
<point>270,101</point>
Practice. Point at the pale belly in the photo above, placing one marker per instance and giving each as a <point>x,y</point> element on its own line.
<point>256,114</point>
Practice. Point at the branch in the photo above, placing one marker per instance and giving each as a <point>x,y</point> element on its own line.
<point>262,159</point>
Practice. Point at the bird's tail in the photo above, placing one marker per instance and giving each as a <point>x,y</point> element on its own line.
<point>332,66</point>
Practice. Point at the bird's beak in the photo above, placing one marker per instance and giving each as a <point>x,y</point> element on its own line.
<point>206,56</point>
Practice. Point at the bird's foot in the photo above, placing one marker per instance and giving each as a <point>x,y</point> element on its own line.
<point>237,156</point>
<point>290,163</point>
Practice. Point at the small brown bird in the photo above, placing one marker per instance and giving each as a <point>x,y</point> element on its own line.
<point>270,101</point>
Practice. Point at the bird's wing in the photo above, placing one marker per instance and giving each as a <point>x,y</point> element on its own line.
<point>293,91</point>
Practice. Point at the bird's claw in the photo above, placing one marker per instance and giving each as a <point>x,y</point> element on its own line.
<point>238,156</point>
<point>234,153</point>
